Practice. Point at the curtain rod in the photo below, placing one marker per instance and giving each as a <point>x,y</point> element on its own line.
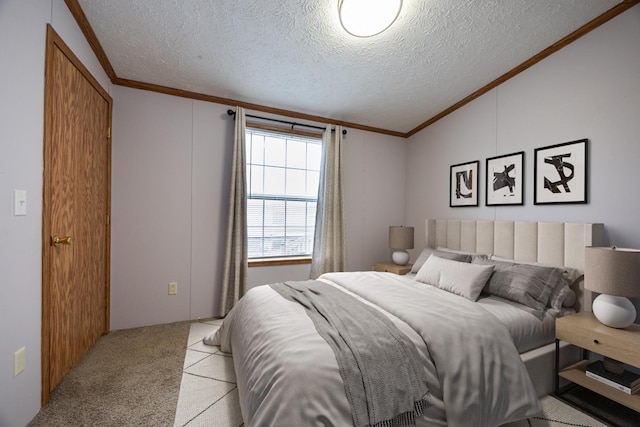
<point>233,113</point>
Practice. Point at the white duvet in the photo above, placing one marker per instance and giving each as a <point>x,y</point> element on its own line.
<point>288,375</point>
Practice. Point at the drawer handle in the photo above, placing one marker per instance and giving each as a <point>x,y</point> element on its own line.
<point>596,342</point>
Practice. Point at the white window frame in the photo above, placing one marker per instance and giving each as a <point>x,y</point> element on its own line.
<point>266,258</point>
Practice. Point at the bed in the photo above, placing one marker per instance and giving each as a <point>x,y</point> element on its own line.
<point>466,358</point>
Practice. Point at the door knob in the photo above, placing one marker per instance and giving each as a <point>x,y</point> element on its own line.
<point>55,240</point>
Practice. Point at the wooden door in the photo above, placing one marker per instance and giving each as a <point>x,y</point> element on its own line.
<point>76,196</point>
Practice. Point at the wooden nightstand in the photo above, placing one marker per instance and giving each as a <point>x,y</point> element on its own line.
<point>585,331</point>
<point>392,268</point>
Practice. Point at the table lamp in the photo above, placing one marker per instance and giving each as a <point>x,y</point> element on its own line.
<point>615,274</point>
<point>400,238</point>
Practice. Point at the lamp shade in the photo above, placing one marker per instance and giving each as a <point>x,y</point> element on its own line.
<point>612,271</point>
<point>400,237</point>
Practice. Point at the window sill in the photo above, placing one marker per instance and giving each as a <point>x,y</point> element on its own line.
<point>270,262</point>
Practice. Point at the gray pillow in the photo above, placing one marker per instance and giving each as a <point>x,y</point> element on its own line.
<point>424,255</point>
<point>570,299</point>
<point>530,285</point>
<point>455,251</point>
<point>452,256</point>
<point>561,295</point>
<point>427,252</point>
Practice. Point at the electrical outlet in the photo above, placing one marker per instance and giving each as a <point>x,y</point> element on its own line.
<point>19,361</point>
<point>173,288</point>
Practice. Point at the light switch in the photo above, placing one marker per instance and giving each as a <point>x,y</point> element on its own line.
<point>173,288</point>
<point>20,202</point>
<point>19,361</point>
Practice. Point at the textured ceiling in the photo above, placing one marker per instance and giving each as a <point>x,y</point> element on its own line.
<point>294,55</point>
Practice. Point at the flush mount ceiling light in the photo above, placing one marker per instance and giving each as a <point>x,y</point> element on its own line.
<point>366,18</point>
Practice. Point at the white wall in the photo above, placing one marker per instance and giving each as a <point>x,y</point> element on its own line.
<point>375,174</point>
<point>171,167</point>
<point>22,47</point>
<point>590,89</point>
<point>169,201</point>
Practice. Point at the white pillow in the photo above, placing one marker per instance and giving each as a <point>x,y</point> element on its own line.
<point>460,278</point>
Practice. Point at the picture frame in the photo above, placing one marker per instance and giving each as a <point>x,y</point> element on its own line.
<point>561,173</point>
<point>463,184</point>
<point>504,180</point>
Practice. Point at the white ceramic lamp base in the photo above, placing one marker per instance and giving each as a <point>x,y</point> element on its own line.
<point>613,311</point>
<point>400,257</point>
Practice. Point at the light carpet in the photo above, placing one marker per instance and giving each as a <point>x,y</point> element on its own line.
<point>128,378</point>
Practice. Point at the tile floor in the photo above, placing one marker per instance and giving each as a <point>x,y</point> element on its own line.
<point>208,391</point>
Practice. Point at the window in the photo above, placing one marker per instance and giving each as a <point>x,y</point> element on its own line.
<point>283,172</point>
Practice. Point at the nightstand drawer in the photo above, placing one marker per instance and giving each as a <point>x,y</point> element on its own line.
<point>585,331</point>
<point>601,343</point>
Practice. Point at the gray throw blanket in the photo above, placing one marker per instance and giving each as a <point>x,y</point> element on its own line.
<point>383,381</point>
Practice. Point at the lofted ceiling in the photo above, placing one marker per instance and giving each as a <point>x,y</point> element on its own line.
<point>293,55</point>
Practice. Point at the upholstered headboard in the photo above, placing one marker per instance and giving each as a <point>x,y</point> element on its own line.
<point>552,243</point>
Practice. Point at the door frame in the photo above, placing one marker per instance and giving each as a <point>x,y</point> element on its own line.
<point>53,42</point>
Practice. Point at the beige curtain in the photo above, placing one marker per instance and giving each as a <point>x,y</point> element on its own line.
<point>234,277</point>
<point>329,239</point>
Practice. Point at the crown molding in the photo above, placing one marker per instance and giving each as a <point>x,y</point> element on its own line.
<point>85,27</point>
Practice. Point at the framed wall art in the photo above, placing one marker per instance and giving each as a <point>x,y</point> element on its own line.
<point>560,173</point>
<point>463,187</point>
<point>504,180</point>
